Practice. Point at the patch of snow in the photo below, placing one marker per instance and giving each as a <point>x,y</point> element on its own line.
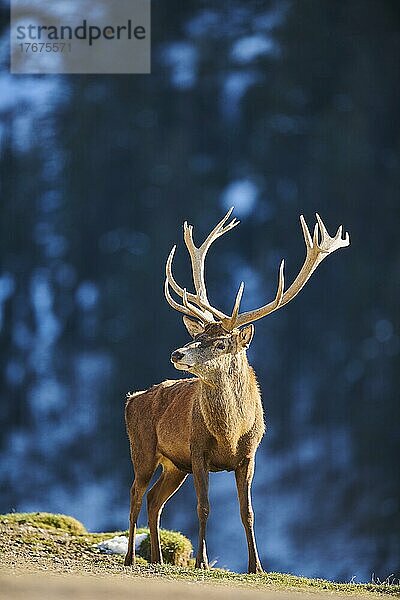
<point>119,544</point>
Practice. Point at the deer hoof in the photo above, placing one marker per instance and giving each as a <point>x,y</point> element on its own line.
<point>257,568</point>
<point>202,564</point>
<point>128,561</point>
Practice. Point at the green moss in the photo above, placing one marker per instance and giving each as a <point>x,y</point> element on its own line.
<point>59,538</point>
<point>46,521</point>
<point>265,581</point>
<point>175,547</point>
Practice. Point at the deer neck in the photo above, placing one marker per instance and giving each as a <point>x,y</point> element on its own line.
<point>228,398</point>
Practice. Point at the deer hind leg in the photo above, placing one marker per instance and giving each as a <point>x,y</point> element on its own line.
<point>138,489</point>
<point>168,483</point>
<point>200,477</point>
<point>244,476</point>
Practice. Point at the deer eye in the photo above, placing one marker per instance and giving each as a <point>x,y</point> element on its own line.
<point>220,345</point>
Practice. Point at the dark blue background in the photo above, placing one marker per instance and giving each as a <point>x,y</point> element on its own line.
<point>278,108</point>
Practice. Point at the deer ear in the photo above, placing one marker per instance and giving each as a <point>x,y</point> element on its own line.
<point>194,327</point>
<point>246,335</point>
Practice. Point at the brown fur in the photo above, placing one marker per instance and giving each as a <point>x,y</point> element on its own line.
<point>215,421</point>
<point>211,422</point>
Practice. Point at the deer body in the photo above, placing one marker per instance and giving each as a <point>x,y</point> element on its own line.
<point>227,424</point>
<point>214,420</point>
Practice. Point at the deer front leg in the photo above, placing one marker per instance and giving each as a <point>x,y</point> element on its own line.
<point>244,476</point>
<point>200,476</point>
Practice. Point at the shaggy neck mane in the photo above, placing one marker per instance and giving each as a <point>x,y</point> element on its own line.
<point>227,399</point>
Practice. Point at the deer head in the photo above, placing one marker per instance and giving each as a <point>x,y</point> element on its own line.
<point>217,335</point>
<point>212,347</point>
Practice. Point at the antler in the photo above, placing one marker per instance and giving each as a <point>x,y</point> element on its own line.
<point>203,310</point>
<point>316,251</point>
<point>317,248</point>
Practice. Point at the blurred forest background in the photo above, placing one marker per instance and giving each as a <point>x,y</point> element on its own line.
<point>275,107</point>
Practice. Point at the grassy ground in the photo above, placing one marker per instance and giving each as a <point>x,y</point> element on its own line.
<point>42,542</point>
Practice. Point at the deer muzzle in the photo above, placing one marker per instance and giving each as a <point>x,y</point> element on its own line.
<point>177,356</point>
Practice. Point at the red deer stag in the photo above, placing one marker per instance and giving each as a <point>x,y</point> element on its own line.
<point>214,420</point>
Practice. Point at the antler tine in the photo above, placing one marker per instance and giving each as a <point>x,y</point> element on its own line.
<point>318,246</point>
<point>188,235</point>
<point>219,229</point>
<point>193,309</point>
<point>316,235</point>
<point>198,254</point>
<point>254,315</point>
<point>171,279</point>
<point>229,322</point>
<point>197,261</point>
<point>193,298</point>
<point>322,229</point>
<point>306,232</point>
<point>206,306</point>
<point>197,257</point>
<point>197,303</point>
<point>236,306</point>
<point>172,302</point>
<point>329,244</point>
<point>281,283</point>
<point>338,236</point>
<point>316,250</point>
<point>188,309</point>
